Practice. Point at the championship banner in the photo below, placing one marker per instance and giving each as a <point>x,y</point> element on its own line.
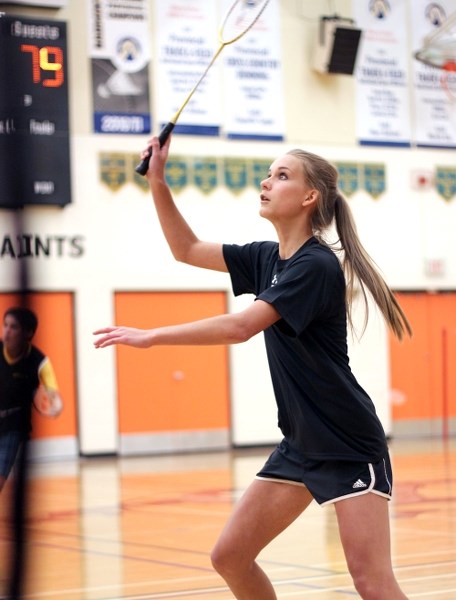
<point>434,110</point>
<point>186,40</point>
<point>353,177</point>
<point>252,80</point>
<point>374,179</point>
<point>177,173</point>
<point>382,92</point>
<point>205,174</point>
<point>41,3</point>
<point>237,174</point>
<point>349,179</point>
<point>113,169</point>
<point>257,171</point>
<point>120,53</point>
<point>445,182</point>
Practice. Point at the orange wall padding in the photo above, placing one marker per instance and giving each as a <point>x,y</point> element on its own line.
<point>171,388</point>
<point>422,368</point>
<point>54,337</point>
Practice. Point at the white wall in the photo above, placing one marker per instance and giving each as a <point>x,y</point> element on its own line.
<point>124,249</point>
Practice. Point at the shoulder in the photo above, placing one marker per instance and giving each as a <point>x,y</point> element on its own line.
<point>252,251</point>
<point>319,255</point>
<point>36,355</point>
<point>252,247</point>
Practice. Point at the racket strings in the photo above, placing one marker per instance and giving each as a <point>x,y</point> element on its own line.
<point>240,18</point>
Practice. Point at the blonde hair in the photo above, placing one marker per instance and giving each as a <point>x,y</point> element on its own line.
<point>358,266</point>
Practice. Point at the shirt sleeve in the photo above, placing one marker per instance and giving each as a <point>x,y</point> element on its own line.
<point>246,265</point>
<point>47,375</point>
<point>310,289</point>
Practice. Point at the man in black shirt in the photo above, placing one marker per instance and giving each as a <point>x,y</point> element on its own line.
<point>24,369</point>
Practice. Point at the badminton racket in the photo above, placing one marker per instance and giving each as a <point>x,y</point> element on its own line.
<point>239,19</point>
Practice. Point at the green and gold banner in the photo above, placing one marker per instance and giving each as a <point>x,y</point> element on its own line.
<point>177,173</point>
<point>374,179</point>
<point>236,174</point>
<point>348,178</point>
<point>353,177</point>
<point>239,173</point>
<point>113,170</point>
<point>205,174</point>
<point>445,182</point>
<point>258,170</point>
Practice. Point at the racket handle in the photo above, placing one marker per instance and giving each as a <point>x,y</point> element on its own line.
<point>163,136</point>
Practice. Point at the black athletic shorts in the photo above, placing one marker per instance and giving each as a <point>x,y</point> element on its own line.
<point>328,480</point>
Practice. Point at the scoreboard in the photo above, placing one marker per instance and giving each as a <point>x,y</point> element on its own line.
<point>34,116</point>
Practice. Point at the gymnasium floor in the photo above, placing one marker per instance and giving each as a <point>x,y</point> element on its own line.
<point>142,528</point>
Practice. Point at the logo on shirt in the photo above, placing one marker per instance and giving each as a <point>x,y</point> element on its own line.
<point>275,280</point>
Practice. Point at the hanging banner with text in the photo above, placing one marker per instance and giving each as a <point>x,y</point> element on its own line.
<point>252,80</point>
<point>40,3</point>
<point>382,87</point>
<point>186,41</point>
<point>434,90</point>
<point>120,53</point>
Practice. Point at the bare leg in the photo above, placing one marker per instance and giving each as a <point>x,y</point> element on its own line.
<point>365,535</point>
<point>265,510</point>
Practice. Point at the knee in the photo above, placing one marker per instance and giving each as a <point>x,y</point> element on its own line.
<point>366,588</point>
<point>360,575</point>
<point>226,560</point>
<point>233,566</point>
<point>370,585</point>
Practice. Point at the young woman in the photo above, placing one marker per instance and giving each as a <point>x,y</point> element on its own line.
<point>334,448</point>
<point>23,369</point>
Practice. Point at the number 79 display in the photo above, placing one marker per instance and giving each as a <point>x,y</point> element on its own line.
<point>34,115</point>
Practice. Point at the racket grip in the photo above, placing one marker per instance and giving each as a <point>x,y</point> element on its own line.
<point>163,136</point>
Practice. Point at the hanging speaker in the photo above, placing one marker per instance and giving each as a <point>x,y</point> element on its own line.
<point>337,46</point>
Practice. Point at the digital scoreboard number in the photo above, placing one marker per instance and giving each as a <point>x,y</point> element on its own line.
<point>34,119</point>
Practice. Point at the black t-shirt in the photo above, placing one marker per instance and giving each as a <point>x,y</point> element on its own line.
<point>322,410</point>
<point>18,384</point>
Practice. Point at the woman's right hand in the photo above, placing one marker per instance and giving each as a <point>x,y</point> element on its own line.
<point>157,161</point>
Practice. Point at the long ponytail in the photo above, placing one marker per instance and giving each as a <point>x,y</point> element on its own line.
<point>358,266</point>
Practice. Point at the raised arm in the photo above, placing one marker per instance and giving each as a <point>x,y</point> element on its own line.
<point>183,242</point>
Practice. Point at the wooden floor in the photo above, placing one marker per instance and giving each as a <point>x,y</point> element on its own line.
<point>142,528</point>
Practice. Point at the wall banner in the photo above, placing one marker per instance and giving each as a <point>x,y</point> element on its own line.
<point>434,108</point>
<point>349,177</point>
<point>41,3</point>
<point>113,170</point>
<point>445,182</point>
<point>120,53</point>
<point>353,177</point>
<point>186,40</point>
<point>206,174</point>
<point>238,174</point>
<point>382,90</point>
<point>252,81</point>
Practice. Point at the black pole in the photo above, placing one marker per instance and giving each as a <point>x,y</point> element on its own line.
<point>19,496</point>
